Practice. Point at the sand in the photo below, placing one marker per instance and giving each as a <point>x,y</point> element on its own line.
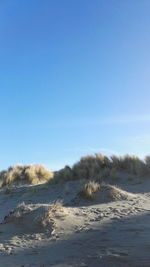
<point>78,232</point>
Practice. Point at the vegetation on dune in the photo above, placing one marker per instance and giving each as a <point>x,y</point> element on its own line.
<point>89,189</point>
<point>99,167</point>
<point>96,167</point>
<point>89,167</point>
<point>32,174</point>
<point>103,192</point>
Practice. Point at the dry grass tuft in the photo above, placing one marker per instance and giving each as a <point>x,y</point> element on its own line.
<point>63,175</point>
<point>50,214</point>
<point>89,167</point>
<point>92,167</point>
<point>134,165</point>
<point>57,206</point>
<point>101,168</point>
<point>32,174</point>
<point>95,167</point>
<point>89,189</point>
<point>44,218</point>
<point>104,192</point>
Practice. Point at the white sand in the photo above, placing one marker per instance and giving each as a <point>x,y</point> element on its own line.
<point>83,233</point>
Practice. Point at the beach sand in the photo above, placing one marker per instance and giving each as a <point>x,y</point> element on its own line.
<point>53,226</point>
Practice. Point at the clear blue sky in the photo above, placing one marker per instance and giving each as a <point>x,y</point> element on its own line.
<point>74,79</point>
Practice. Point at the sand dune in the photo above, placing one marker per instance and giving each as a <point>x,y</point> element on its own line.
<point>61,225</point>
<point>103,193</point>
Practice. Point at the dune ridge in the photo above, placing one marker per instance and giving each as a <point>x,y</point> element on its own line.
<point>95,213</point>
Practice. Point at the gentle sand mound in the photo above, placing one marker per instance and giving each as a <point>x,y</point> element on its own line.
<point>112,193</point>
<point>102,193</point>
<point>31,219</point>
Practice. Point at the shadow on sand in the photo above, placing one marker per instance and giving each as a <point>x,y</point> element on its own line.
<point>124,242</point>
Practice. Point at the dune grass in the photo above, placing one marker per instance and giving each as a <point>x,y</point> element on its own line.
<point>103,192</point>
<point>89,189</point>
<point>32,174</point>
<point>101,168</point>
<point>96,167</point>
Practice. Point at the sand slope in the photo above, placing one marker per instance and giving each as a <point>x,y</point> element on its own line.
<point>83,233</point>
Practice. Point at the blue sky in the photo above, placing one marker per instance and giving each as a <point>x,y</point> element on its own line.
<point>74,80</point>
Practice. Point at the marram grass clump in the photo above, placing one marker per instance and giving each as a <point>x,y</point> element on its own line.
<point>101,168</point>
<point>89,189</point>
<point>20,174</point>
<point>96,167</point>
<point>104,192</point>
